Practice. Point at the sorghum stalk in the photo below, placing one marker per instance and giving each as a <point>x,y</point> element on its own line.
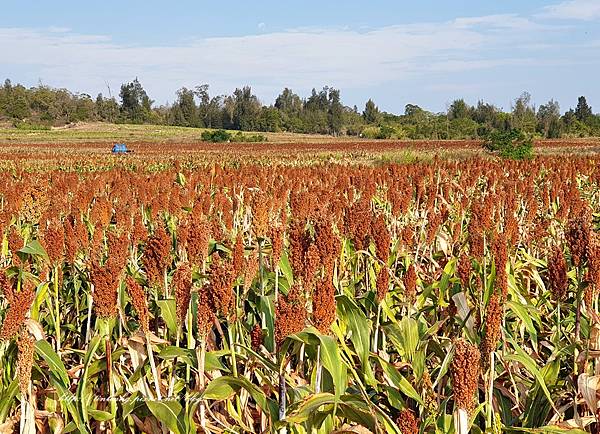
<point>319,370</point>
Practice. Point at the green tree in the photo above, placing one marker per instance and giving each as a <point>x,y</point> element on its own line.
<point>135,103</point>
<point>335,112</point>
<point>548,120</point>
<point>246,109</point>
<point>459,109</point>
<point>523,114</point>
<point>186,109</point>
<point>583,111</point>
<point>371,112</point>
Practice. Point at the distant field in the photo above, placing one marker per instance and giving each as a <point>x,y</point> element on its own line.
<point>103,132</point>
<point>80,144</point>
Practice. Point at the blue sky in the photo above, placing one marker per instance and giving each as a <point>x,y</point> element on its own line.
<point>427,52</point>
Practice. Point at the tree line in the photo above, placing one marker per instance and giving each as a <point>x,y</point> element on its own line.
<point>322,112</point>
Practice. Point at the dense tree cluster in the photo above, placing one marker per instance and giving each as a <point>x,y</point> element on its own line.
<point>322,112</point>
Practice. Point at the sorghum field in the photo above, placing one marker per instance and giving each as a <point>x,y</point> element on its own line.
<point>317,290</point>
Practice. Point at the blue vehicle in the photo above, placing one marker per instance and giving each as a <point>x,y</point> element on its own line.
<point>120,148</point>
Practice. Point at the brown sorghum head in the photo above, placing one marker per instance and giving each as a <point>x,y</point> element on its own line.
<point>250,270</point>
<point>464,271</point>
<point>140,303</point>
<point>328,244</point>
<point>323,304</point>
<point>491,337</point>
<point>256,337</point>
<point>465,374</point>
<point>577,234</point>
<point>407,422</point>
<point>198,239</point>
<point>382,238</point>
<point>557,275</point>
<point>290,315</point>
<point>221,285</point>
<point>238,255</point>
<point>182,281</point>
<point>205,311</point>
<point>312,259</point>
<point>593,273</point>
<point>17,310</point>
<point>157,256</point>
<point>105,281</point>
<point>410,283</point>
<point>500,260</point>
<point>383,283</point>
<point>26,346</point>
<point>54,242</point>
<point>276,235</point>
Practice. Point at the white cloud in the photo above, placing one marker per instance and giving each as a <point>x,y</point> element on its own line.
<point>587,10</point>
<point>300,59</point>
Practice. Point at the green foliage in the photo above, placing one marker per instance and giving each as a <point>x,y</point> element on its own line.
<point>513,144</point>
<point>220,136</point>
<point>322,112</point>
<point>30,126</point>
<point>216,136</point>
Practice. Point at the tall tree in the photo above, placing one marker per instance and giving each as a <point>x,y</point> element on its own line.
<point>459,109</point>
<point>336,111</point>
<point>583,111</point>
<point>135,103</point>
<point>523,113</point>
<point>371,112</point>
<point>548,117</point>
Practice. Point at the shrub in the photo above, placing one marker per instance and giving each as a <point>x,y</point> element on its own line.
<point>512,144</point>
<point>216,136</point>
<point>220,136</point>
<point>251,138</point>
<point>23,125</point>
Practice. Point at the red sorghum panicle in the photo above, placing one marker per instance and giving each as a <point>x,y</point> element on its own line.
<point>290,315</point>
<point>105,281</point>
<point>410,283</point>
<point>383,283</point>
<point>182,281</point>
<point>15,241</point>
<point>577,234</point>
<point>312,259</point>
<point>260,214</point>
<point>118,249</point>
<point>198,239</point>
<point>465,374</point>
<point>238,255</point>
<point>205,312</point>
<point>464,271</point>
<point>26,346</point>
<point>276,235</point>
<point>493,321</point>
<point>221,285</point>
<point>15,315</point>
<point>256,337</point>
<point>328,244</point>
<point>557,275</point>
<point>593,272</point>
<point>250,270</point>
<point>357,220</point>
<point>407,422</point>
<point>500,260</point>
<point>6,286</point>
<point>54,242</point>
<point>140,303</point>
<point>382,238</point>
<point>299,243</point>
<point>157,256</point>
<point>323,304</point>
